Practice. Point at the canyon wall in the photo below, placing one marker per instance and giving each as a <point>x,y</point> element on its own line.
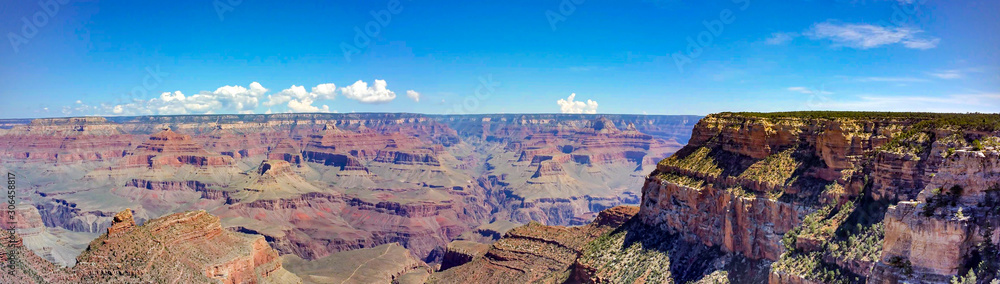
<point>804,197</point>
<point>186,247</point>
<point>317,184</point>
<point>744,181</point>
<point>813,193</point>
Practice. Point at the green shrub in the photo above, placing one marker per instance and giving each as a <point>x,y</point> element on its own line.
<point>988,122</point>
<point>864,245</point>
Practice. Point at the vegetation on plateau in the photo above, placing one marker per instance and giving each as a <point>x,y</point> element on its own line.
<point>924,120</point>
<point>850,232</point>
<point>700,161</point>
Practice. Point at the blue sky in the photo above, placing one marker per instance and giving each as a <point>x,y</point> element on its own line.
<point>72,58</point>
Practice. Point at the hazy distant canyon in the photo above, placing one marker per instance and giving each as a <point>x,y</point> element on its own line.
<point>798,197</point>
<point>317,184</point>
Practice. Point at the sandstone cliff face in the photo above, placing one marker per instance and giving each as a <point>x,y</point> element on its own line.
<point>535,252</point>
<point>934,238</point>
<point>616,248</point>
<point>744,181</point>
<point>462,252</point>
<point>748,225</point>
<point>758,185</point>
<point>184,247</point>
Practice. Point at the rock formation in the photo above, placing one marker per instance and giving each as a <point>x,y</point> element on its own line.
<point>954,220</point>
<point>123,222</point>
<point>317,184</point>
<point>382,264</point>
<point>183,247</point>
<point>535,252</point>
<point>807,191</point>
<point>60,141</point>
<point>462,252</point>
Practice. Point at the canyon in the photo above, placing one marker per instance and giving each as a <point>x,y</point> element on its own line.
<point>801,197</point>
<point>797,197</point>
<point>316,185</point>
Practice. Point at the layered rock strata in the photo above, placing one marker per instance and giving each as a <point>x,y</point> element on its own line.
<point>183,247</point>
<point>352,180</point>
<point>955,218</point>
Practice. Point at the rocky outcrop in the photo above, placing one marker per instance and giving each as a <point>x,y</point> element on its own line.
<point>748,225</point>
<point>413,157</point>
<point>183,247</point>
<point>194,240</point>
<point>462,252</point>
<point>746,179</point>
<point>535,252</point>
<point>723,188</point>
<point>935,238</point>
<point>287,151</point>
<point>387,263</point>
<point>803,190</point>
<point>169,149</point>
<point>122,222</point>
<point>615,248</point>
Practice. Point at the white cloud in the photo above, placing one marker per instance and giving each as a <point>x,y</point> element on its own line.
<point>865,36</point>
<point>918,43</point>
<point>170,103</point>
<point>780,38</point>
<point>948,74</point>
<point>568,105</point>
<point>360,91</point>
<point>325,91</point>
<point>176,96</point>
<point>293,92</point>
<point>305,105</point>
<point>239,99</point>
<point>414,95</point>
<point>974,102</point>
<point>892,79</point>
<point>299,100</point>
<point>224,99</point>
<point>808,91</point>
<point>235,98</point>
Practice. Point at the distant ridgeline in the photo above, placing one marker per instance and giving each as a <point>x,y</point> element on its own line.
<point>649,124</point>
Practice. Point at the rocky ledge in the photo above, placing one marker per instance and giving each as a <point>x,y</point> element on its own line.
<point>189,247</point>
